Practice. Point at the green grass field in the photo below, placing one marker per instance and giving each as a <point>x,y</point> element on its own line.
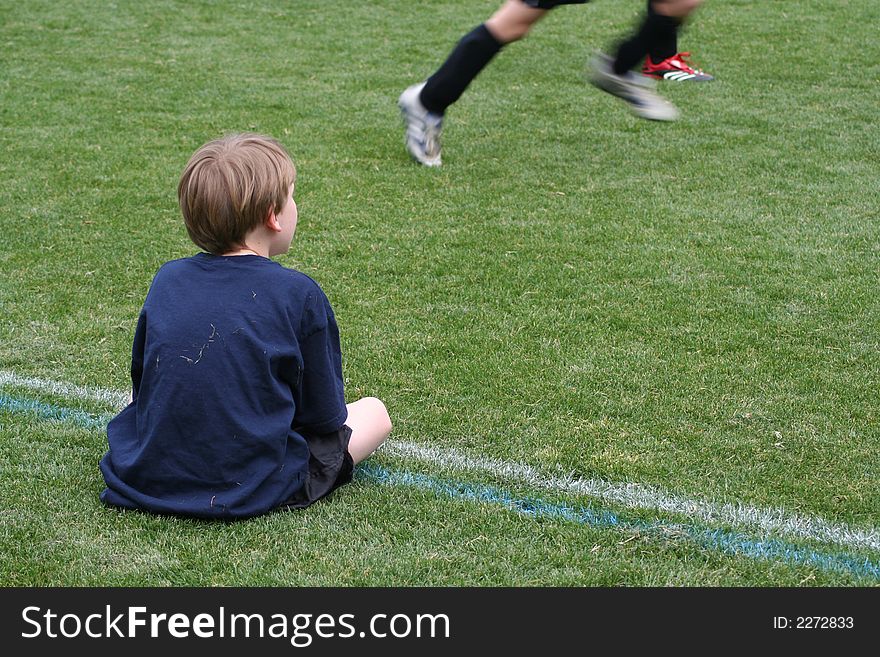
<point>690,308</point>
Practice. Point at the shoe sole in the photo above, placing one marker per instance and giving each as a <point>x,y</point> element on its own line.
<point>679,76</point>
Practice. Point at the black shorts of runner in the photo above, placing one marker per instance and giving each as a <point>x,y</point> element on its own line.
<point>330,466</point>
<point>549,4</point>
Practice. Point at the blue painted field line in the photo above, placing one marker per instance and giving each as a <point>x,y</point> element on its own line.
<point>52,412</point>
<point>725,541</point>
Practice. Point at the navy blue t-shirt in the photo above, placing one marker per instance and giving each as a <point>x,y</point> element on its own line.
<point>234,359</point>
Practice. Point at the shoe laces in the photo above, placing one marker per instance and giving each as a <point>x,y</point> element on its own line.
<point>682,60</point>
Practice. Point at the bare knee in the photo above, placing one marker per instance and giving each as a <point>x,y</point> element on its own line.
<point>513,21</point>
<point>369,413</point>
<point>379,413</point>
<point>508,32</point>
<point>676,8</point>
<point>370,425</point>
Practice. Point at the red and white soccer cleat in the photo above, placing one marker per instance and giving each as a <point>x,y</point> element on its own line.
<point>675,69</point>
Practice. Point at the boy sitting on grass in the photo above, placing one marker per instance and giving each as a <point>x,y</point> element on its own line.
<point>237,405</point>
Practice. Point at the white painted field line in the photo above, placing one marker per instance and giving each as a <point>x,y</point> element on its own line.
<point>637,496</point>
<point>629,495</point>
<point>113,397</point>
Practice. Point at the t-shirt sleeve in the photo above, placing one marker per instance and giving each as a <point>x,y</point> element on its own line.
<point>137,354</point>
<point>320,403</point>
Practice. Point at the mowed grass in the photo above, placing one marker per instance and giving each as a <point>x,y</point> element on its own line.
<point>689,306</point>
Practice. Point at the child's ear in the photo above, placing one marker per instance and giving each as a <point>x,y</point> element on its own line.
<point>272,222</point>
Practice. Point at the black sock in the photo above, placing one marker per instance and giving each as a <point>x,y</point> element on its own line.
<point>468,58</point>
<point>652,30</point>
<point>665,43</point>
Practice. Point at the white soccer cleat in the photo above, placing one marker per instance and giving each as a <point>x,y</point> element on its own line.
<point>423,128</point>
<point>636,90</point>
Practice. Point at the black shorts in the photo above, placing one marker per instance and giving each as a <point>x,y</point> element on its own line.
<point>330,466</point>
<point>549,4</point>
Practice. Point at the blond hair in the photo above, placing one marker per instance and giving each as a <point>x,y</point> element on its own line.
<point>229,186</point>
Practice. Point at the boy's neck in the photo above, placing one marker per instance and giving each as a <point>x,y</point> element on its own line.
<point>245,251</point>
<point>258,241</point>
